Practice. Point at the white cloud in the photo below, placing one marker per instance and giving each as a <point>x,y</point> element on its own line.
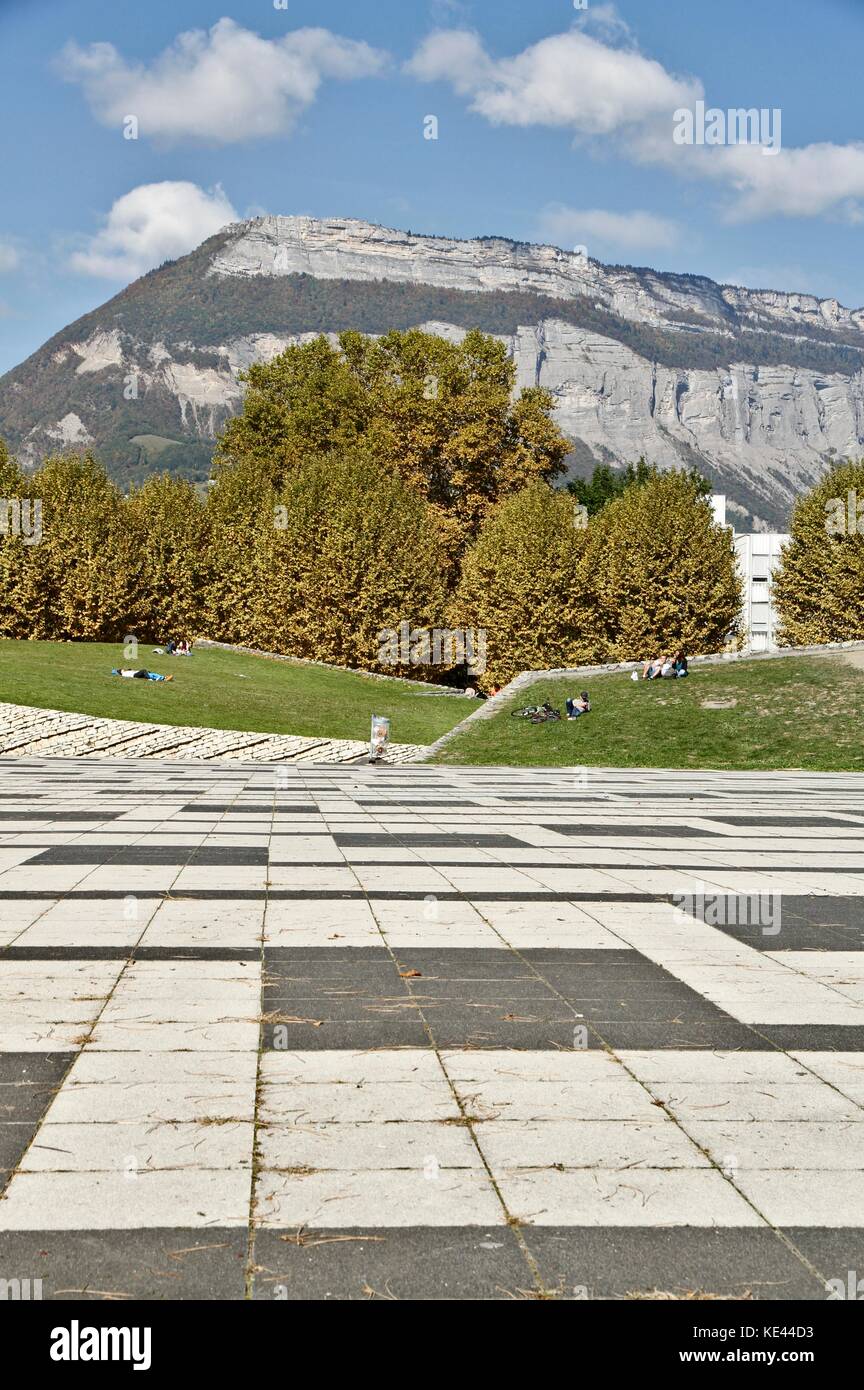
<point>607,22</point>
<point>453,55</point>
<point>806,182</point>
<point>592,227</point>
<point>626,102</point>
<point>223,85</point>
<point>153,223</point>
<point>9,257</point>
<point>570,80</point>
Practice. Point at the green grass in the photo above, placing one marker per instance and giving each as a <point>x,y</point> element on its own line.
<point>221,690</point>
<point>795,712</point>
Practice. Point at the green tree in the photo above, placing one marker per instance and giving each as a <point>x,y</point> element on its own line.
<point>524,583</point>
<point>348,552</point>
<point>607,483</point>
<point>167,529</point>
<point>76,581</point>
<point>14,549</point>
<point>441,414</point>
<point>664,573</point>
<point>239,520</point>
<point>818,588</point>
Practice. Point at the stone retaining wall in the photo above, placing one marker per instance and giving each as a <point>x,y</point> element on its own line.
<point>26,732</point>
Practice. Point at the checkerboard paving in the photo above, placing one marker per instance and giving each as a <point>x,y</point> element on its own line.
<point>424,1032</point>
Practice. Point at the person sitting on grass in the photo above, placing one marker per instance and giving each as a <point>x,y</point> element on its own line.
<point>581,705</point>
<point>681,663</point>
<point>652,669</point>
<point>142,675</point>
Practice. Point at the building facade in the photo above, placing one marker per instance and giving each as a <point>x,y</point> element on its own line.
<point>758,555</point>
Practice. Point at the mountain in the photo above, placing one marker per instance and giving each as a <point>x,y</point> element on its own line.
<point>758,389</point>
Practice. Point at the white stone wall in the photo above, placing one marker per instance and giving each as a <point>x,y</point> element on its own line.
<point>44,733</point>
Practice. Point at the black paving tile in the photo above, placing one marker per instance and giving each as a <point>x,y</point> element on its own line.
<point>48,814</point>
<point>493,998</point>
<point>395,802</point>
<point>636,832</point>
<point>440,989</point>
<point>170,1263</point>
<point>813,1037</point>
<point>817,923</point>
<point>322,1035</point>
<point>837,1253</point>
<point>554,1035</point>
<point>636,1262</point>
<point>423,1263</point>
<point>719,1034</point>
<point>427,840</point>
<point>129,953</point>
<point>345,1006</point>
<point>459,964</point>
<point>805,822</point>
<point>14,1139</point>
<point>181,856</point>
<point>239,808</point>
<point>28,1082</point>
<point>326,955</point>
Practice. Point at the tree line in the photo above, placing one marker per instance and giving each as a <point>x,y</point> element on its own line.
<point>369,482</point>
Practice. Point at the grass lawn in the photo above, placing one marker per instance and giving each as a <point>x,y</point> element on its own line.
<point>221,690</point>
<point>795,712</point>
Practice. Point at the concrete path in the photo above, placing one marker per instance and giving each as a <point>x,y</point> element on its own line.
<point>327,1032</point>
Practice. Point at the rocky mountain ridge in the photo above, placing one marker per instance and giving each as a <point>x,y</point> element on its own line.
<point>757,388</point>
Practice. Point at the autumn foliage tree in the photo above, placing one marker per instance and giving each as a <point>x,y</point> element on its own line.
<point>349,550</point>
<point>166,528</point>
<point>75,583</point>
<point>523,584</point>
<point>662,571</point>
<point>14,549</point>
<point>443,415</point>
<point>818,588</point>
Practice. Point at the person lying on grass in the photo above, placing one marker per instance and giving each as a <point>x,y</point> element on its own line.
<point>139,675</point>
<point>581,705</point>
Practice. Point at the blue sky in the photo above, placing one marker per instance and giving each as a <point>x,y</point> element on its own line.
<point>553,124</point>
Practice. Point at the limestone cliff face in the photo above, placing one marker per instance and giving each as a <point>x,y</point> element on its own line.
<point>757,388</point>
<point>346,249</point>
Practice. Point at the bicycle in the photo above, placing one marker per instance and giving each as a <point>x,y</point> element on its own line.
<point>537,714</point>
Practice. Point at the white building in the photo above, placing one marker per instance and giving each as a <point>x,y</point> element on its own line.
<point>758,556</point>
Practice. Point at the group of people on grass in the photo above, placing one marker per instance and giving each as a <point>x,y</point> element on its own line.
<point>666,667</point>
<point>180,647</point>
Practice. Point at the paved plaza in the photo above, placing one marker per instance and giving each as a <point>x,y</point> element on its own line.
<point>414,1032</point>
